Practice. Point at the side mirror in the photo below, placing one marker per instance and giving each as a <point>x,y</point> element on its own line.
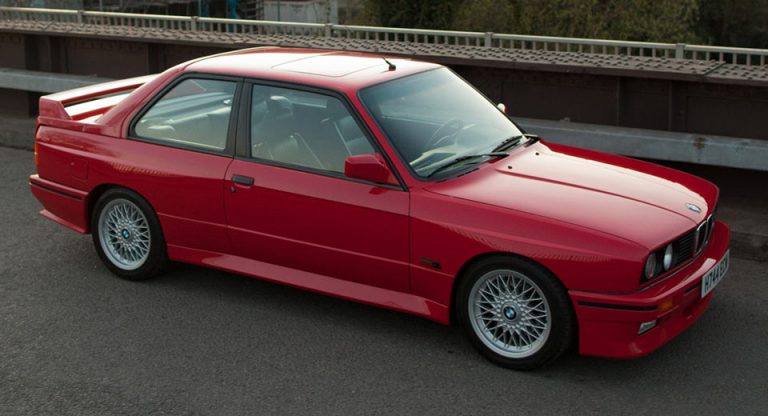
<point>502,107</point>
<point>369,167</point>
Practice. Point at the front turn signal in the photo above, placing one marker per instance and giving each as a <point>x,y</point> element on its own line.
<point>666,304</point>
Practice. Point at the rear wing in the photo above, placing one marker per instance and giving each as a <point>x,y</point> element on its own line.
<point>93,100</point>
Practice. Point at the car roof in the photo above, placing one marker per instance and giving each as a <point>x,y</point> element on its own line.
<point>339,70</point>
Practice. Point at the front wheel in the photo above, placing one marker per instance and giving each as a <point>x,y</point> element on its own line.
<point>515,312</point>
<point>127,235</point>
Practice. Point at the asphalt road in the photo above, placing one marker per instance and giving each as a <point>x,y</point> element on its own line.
<point>76,340</point>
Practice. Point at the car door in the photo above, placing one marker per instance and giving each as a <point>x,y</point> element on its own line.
<point>177,153</point>
<point>291,205</point>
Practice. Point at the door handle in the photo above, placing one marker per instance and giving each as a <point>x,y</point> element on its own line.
<point>242,180</point>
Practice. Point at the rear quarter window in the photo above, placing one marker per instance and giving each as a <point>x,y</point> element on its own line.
<point>194,113</point>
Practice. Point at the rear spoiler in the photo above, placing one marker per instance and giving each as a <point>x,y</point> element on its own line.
<point>85,102</point>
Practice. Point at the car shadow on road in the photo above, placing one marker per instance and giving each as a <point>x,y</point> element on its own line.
<point>423,337</point>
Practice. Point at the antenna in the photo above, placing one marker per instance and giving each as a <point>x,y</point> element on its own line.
<point>392,66</point>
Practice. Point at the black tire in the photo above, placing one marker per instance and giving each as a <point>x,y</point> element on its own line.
<point>155,261</point>
<point>552,344</point>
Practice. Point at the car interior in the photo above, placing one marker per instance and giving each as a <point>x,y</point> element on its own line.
<point>304,129</point>
<point>199,119</point>
<point>287,126</point>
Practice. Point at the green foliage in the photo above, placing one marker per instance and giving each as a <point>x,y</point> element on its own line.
<point>720,22</point>
<point>734,22</point>
<point>428,14</point>
<point>655,20</point>
<point>642,20</point>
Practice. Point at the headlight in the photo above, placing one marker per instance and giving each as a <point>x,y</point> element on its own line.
<point>667,261</point>
<point>650,266</point>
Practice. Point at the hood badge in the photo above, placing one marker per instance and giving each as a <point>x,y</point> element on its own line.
<point>694,208</point>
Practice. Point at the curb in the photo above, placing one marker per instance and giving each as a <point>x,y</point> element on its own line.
<point>17,133</point>
<point>749,246</point>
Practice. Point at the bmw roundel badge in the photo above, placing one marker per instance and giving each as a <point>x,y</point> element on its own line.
<point>694,208</point>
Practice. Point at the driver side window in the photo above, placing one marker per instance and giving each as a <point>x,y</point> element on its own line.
<point>304,129</point>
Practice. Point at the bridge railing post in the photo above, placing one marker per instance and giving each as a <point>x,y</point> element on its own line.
<point>680,51</point>
<point>488,39</point>
<point>731,55</point>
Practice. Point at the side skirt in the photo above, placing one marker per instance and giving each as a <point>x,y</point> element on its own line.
<point>384,298</point>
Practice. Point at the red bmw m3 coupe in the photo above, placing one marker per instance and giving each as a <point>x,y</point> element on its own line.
<point>385,181</point>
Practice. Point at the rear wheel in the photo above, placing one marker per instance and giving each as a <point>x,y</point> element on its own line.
<point>515,312</point>
<point>127,235</point>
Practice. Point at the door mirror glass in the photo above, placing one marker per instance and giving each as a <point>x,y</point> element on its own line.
<point>369,167</point>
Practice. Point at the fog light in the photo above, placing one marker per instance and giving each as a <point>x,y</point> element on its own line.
<point>646,326</point>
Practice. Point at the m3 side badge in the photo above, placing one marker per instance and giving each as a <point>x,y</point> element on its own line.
<point>694,208</point>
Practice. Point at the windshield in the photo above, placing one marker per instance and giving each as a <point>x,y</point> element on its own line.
<point>433,118</point>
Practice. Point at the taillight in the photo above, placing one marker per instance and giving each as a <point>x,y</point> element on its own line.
<point>36,154</point>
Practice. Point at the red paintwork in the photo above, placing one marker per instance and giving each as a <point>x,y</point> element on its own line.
<point>50,104</point>
<point>615,335</point>
<point>588,217</point>
<point>368,167</point>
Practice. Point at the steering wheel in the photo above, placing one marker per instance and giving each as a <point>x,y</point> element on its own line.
<point>442,133</point>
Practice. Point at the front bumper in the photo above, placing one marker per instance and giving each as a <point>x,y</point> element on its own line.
<point>609,323</point>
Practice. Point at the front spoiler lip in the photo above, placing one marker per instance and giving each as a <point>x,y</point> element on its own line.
<point>614,306</point>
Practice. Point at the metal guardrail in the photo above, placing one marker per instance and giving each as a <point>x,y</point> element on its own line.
<point>731,55</point>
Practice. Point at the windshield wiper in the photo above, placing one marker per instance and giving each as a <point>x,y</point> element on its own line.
<point>460,159</point>
<point>514,141</point>
<point>508,143</point>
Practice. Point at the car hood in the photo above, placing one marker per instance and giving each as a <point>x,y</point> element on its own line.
<point>631,199</point>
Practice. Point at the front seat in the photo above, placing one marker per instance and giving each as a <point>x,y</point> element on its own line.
<point>278,133</point>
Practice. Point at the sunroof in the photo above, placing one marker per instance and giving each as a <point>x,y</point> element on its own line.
<point>331,65</point>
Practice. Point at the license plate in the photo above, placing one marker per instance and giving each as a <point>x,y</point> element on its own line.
<point>714,276</point>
